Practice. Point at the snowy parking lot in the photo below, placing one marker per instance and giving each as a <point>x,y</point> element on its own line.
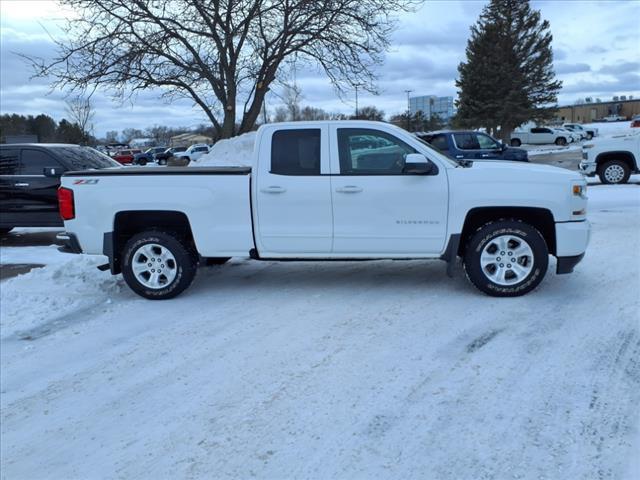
<point>384,369</point>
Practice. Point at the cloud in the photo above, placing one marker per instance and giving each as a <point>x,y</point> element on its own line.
<point>564,68</point>
<point>621,68</point>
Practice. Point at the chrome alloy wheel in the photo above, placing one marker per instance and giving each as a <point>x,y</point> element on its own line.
<point>154,266</point>
<point>507,260</point>
<point>614,173</point>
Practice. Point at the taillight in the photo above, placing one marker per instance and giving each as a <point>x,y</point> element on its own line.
<point>65,203</point>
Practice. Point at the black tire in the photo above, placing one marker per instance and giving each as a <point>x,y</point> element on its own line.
<point>561,141</point>
<point>211,261</point>
<point>589,136</point>
<point>5,230</point>
<point>142,162</point>
<point>520,233</point>
<point>614,172</point>
<point>515,142</point>
<point>185,264</point>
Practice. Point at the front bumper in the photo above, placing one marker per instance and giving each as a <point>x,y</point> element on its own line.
<point>68,243</point>
<point>588,168</point>
<point>572,239</point>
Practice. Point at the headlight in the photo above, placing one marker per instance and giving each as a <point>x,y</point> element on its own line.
<point>580,190</point>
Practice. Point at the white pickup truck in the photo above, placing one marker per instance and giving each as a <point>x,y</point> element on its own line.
<point>540,136</point>
<point>330,190</point>
<point>612,159</point>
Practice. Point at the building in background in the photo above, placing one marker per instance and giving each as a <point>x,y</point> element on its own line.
<point>593,111</point>
<point>431,104</point>
<point>188,139</point>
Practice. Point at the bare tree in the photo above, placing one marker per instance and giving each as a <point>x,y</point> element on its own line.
<point>222,54</point>
<point>291,97</point>
<point>80,111</point>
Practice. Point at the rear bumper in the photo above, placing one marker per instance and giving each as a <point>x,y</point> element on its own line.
<point>572,239</point>
<point>68,243</point>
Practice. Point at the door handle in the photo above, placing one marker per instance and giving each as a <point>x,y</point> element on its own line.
<point>20,184</point>
<point>485,155</point>
<point>349,189</point>
<point>273,189</point>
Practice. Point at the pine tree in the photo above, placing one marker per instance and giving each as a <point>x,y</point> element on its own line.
<point>508,78</point>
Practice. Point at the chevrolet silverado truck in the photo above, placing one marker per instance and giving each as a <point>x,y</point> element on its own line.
<point>341,190</point>
<point>612,159</point>
<point>539,136</point>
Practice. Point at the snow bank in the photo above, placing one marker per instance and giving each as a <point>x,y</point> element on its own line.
<point>49,296</point>
<point>237,151</point>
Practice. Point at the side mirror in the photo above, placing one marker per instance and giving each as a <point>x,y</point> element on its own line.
<point>52,171</point>
<point>417,164</point>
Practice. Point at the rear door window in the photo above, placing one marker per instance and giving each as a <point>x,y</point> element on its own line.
<point>296,152</point>
<point>466,141</point>
<point>33,162</point>
<point>9,161</point>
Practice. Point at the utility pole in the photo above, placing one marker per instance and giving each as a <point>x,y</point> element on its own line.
<point>408,110</point>
<point>356,87</point>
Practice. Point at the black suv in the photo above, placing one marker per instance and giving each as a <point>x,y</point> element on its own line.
<point>468,144</point>
<point>30,177</point>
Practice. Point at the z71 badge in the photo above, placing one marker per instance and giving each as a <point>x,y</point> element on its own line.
<point>91,181</point>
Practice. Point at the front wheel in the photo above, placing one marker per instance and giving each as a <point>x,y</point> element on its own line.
<point>614,172</point>
<point>589,136</point>
<point>515,142</point>
<point>506,258</point>
<point>158,265</point>
<point>561,141</point>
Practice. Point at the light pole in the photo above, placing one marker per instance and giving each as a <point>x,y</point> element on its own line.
<point>408,109</point>
<point>356,87</point>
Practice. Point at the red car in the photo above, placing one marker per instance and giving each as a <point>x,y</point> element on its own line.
<point>635,121</point>
<point>125,157</point>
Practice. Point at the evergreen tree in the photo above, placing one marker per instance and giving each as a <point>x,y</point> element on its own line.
<point>508,77</point>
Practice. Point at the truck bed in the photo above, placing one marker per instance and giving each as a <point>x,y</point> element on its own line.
<point>162,171</point>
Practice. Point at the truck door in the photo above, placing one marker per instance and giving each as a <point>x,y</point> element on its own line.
<point>489,148</point>
<point>378,209</point>
<point>37,193</point>
<point>9,193</point>
<point>293,193</point>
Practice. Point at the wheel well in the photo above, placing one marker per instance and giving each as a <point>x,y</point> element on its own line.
<point>626,157</point>
<point>127,224</point>
<point>540,218</point>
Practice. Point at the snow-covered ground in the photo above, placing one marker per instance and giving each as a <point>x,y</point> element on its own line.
<point>383,369</point>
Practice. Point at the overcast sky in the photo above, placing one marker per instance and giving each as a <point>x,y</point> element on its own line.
<point>596,48</point>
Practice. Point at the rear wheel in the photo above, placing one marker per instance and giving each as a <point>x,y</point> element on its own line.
<point>561,141</point>
<point>515,142</point>
<point>158,265</point>
<point>506,258</point>
<point>614,172</point>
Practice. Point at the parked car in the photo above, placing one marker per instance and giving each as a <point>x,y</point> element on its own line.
<point>30,177</point>
<point>125,157</point>
<point>148,155</point>
<point>194,152</point>
<point>398,199</point>
<point>635,121</point>
<point>613,118</point>
<point>587,132</point>
<point>539,136</point>
<point>571,136</point>
<point>162,158</point>
<point>612,159</point>
<point>472,145</point>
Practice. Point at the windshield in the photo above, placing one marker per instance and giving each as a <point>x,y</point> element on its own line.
<point>438,153</point>
<point>85,158</point>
